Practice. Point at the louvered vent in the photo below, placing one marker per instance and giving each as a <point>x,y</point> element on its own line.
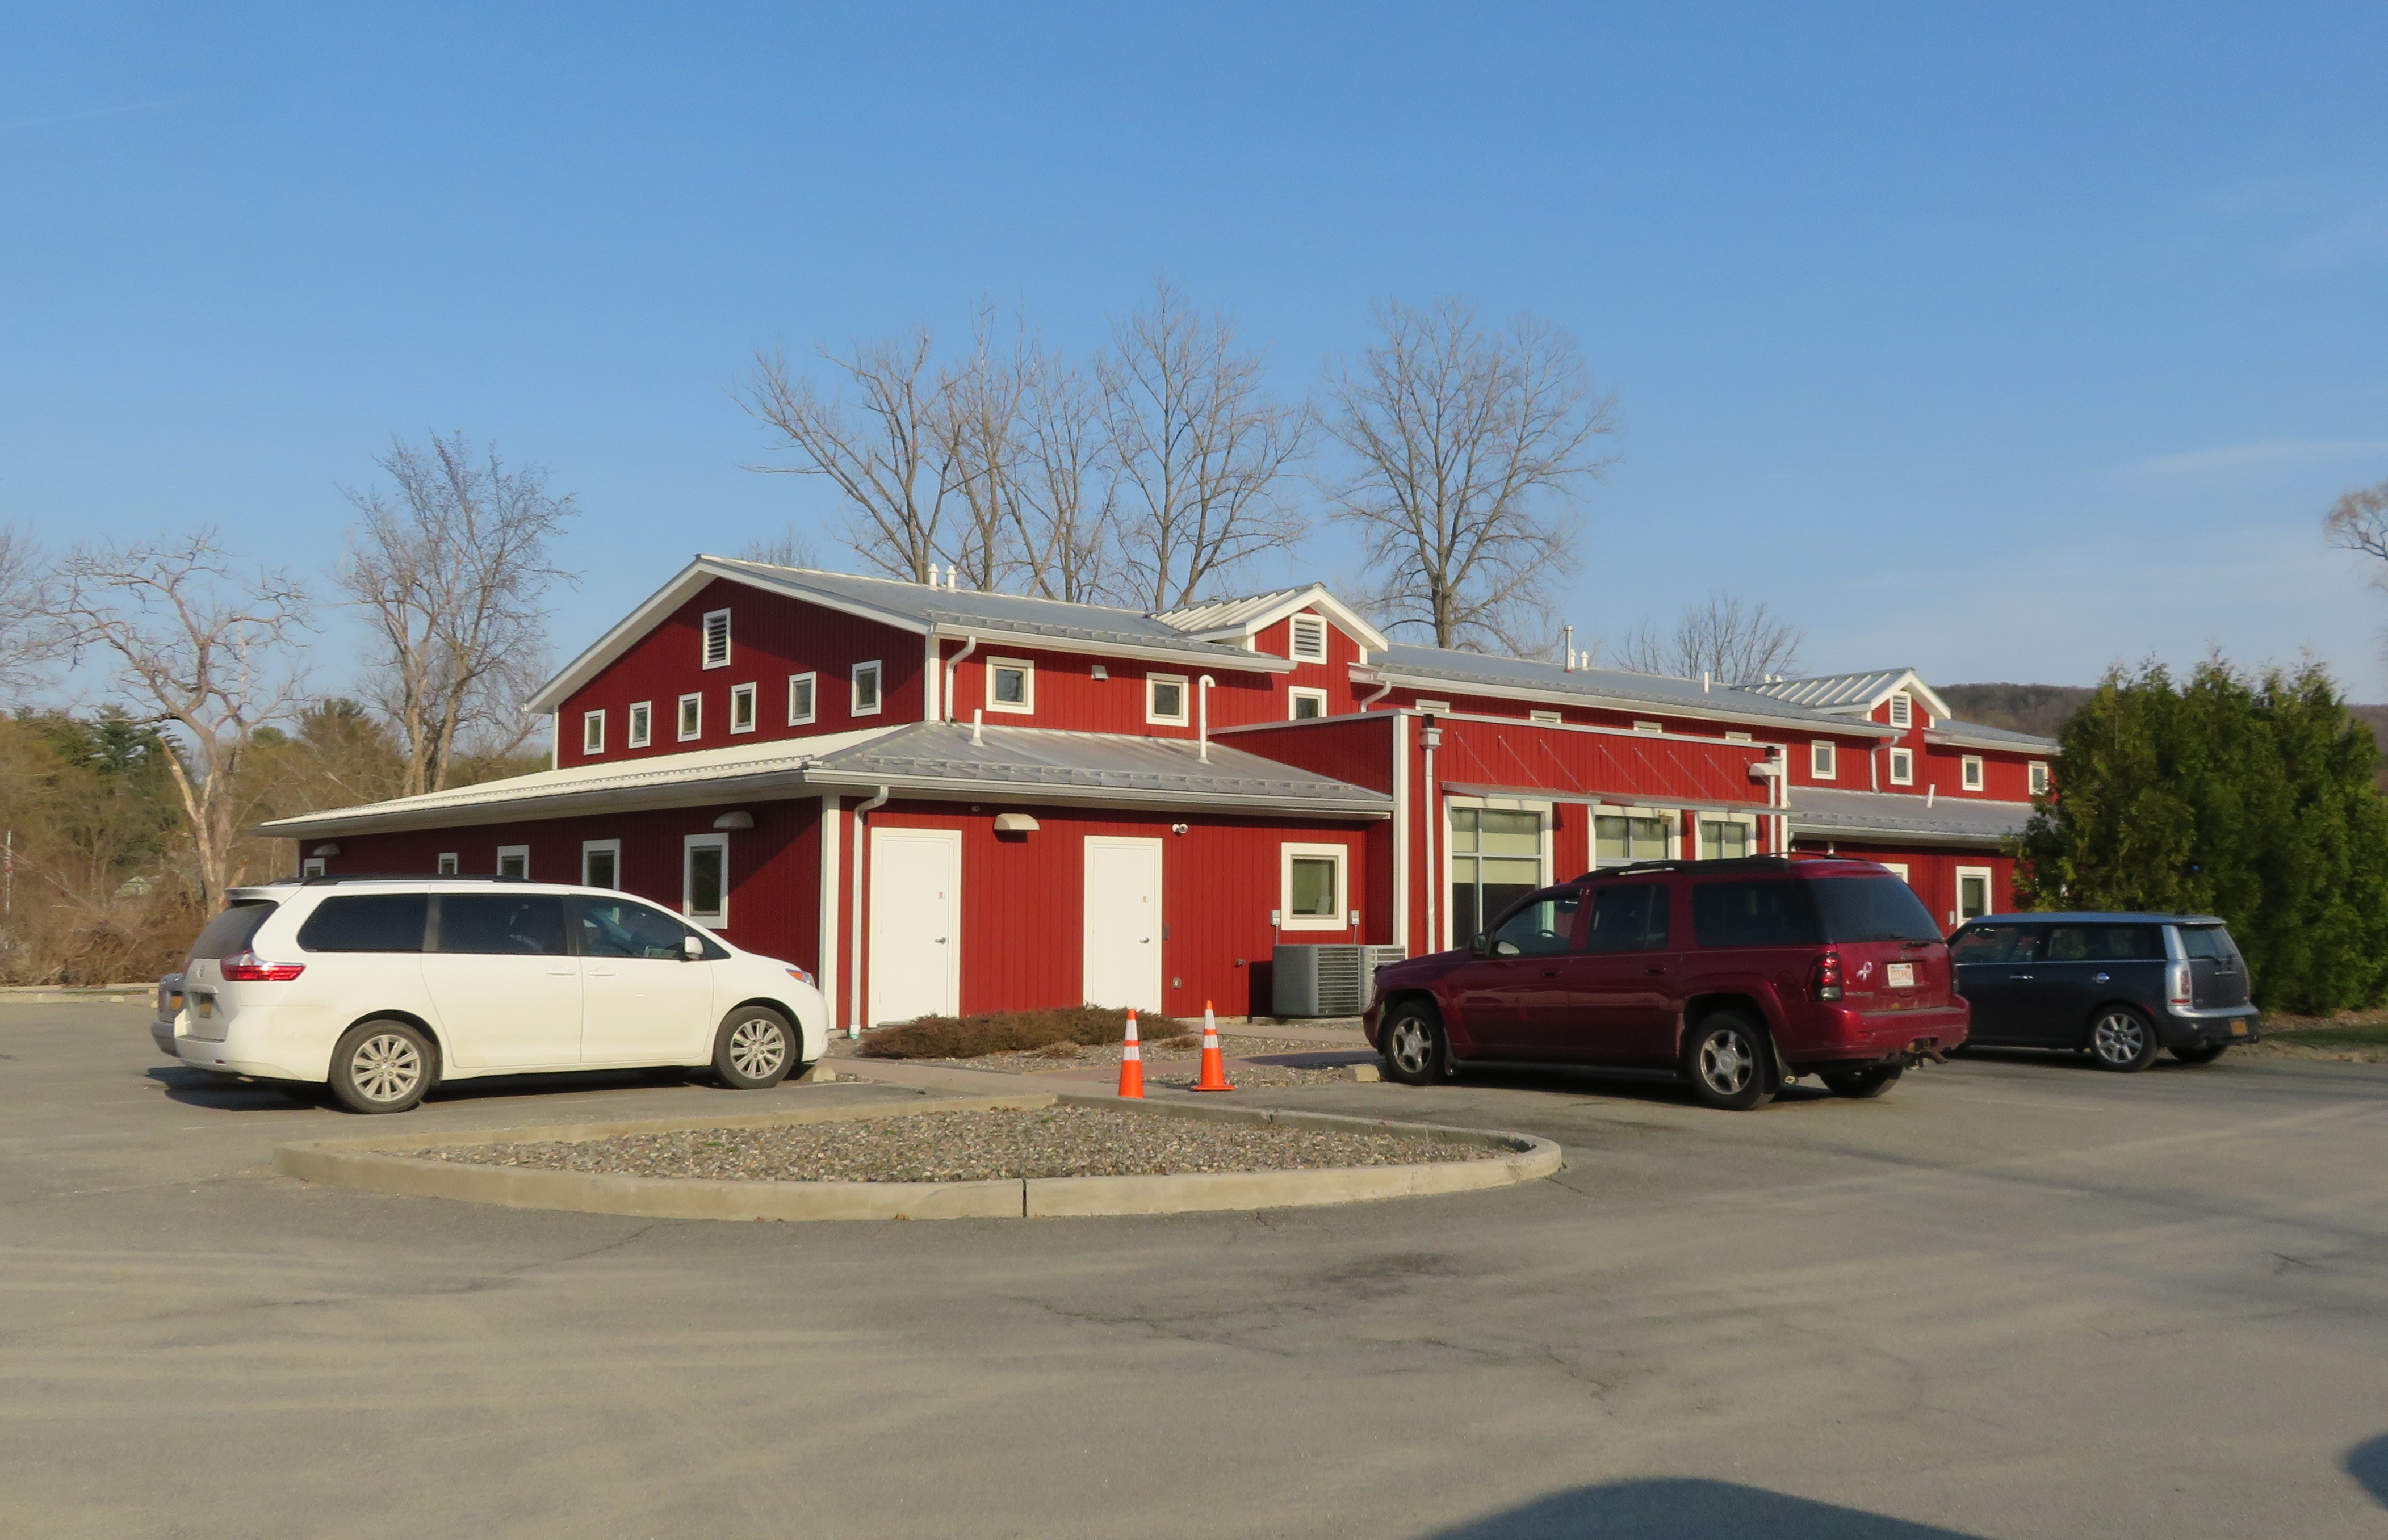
<point>1328,980</point>
<point>717,640</point>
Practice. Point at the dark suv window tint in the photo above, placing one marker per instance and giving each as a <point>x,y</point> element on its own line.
<point>229,933</point>
<point>1754,914</point>
<point>618,928</point>
<point>367,922</point>
<point>1544,925</point>
<point>2102,943</point>
<point>1995,943</point>
<point>528,924</point>
<point>1630,917</point>
<point>2207,943</point>
<point>1873,909</point>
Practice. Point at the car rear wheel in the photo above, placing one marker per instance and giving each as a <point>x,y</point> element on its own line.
<point>2205,1053</point>
<point>754,1049</point>
<point>2122,1040</point>
<point>1729,1063</point>
<point>1864,1084</point>
<point>381,1067</point>
<point>1415,1052</point>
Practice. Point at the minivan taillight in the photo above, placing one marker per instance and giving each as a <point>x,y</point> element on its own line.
<point>1825,975</point>
<point>2176,986</point>
<point>248,967</point>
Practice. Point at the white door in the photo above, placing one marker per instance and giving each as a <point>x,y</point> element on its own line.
<point>1123,922</point>
<point>916,913</point>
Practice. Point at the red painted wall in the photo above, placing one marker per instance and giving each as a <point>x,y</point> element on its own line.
<point>1068,696</point>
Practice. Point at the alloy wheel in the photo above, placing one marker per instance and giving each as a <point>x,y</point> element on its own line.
<point>386,1068</point>
<point>2118,1037</point>
<point>1413,1045</point>
<point>1727,1061</point>
<point>757,1047</point>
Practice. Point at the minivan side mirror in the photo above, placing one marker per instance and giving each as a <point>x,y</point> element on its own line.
<point>692,949</point>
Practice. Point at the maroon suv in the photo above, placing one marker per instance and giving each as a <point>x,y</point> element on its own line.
<point>1736,975</point>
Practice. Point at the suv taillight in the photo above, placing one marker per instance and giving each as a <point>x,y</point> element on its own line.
<point>248,967</point>
<point>1825,975</point>
<point>2176,989</point>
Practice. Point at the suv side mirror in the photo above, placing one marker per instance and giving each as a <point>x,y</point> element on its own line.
<point>1481,944</point>
<point>692,949</point>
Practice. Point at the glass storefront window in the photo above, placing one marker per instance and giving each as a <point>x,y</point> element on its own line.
<point>1620,837</point>
<point>1496,859</point>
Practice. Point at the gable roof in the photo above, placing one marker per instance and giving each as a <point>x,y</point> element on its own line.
<point>1243,619</point>
<point>1860,692</point>
<point>1526,677</point>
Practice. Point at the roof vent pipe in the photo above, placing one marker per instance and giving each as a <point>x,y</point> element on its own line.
<point>1703,681</point>
<point>1931,792</point>
<point>978,728</point>
<point>1570,649</point>
<point>1202,714</point>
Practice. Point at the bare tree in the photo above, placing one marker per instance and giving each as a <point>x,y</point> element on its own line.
<point>1063,498</point>
<point>1468,446</point>
<point>1199,447</point>
<point>453,573</point>
<point>977,421</point>
<point>2358,522</point>
<point>30,636</point>
<point>790,548</point>
<point>1724,637</point>
<point>884,452</point>
<point>196,649</point>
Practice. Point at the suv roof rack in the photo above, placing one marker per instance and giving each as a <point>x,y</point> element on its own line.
<point>1725,866</point>
<point>330,879</point>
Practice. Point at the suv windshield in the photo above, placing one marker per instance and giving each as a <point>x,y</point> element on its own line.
<point>1873,909</point>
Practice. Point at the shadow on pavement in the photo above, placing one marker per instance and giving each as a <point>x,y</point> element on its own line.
<point>1687,1509</point>
<point>2368,1463</point>
<point>201,1088</point>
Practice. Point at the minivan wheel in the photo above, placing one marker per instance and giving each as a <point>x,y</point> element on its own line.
<point>1415,1050</point>
<point>754,1049</point>
<point>381,1067</point>
<point>2122,1040</point>
<point>2205,1052</point>
<point>1860,1085</point>
<point>1725,1058</point>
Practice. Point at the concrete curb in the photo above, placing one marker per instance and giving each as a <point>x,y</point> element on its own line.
<point>368,1165</point>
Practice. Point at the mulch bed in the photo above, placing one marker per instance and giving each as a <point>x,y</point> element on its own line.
<point>970,1146</point>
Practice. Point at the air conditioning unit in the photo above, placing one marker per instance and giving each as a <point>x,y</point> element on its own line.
<point>1339,979</point>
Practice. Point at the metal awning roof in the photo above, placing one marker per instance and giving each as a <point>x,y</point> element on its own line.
<point>1825,814</point>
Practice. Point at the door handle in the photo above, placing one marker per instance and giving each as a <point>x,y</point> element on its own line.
<point>1654,970</point>
<point>2097,978</point>
<point>2013,977</point>
<point>1550,973</point>
<point>562,973</point>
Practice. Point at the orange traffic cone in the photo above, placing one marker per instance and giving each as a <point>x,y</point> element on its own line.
<point>1214,1064</point>
<point>1131,1062</point>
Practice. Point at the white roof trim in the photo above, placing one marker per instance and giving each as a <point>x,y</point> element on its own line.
<point>1241,620</point>
<point>1257,663</point>
<point>1378,673</point>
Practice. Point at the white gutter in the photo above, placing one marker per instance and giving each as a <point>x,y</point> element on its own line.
<point>1202,687</point>
<point>854,973</point>
<point>970,645</point>
<point>1382,690</point>
<point>1430,737</point>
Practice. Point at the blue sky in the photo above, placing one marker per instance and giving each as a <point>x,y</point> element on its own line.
<point>2007,342</point>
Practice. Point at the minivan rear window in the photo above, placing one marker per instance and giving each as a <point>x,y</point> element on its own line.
<point>2208,942</point>
<point>367,922</point>
<point>229,933</point>
<point>1873,909</point>
<point>1754,914</point>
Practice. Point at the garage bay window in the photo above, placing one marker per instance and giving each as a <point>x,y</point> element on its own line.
<point>1496,859</point>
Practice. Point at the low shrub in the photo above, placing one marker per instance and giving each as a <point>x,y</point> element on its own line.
<point>946,1037</point>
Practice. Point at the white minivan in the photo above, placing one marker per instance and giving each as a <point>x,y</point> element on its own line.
<point>381,988</point>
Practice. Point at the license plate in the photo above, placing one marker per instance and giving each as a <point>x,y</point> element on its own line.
<point>1899,976</point>
<point>207,1003</point>
<point>2237,1028</point>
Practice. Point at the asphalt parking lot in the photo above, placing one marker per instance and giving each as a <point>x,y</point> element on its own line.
<point>2015,1297</point>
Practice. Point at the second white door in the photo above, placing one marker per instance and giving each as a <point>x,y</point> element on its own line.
<point>916,913</point>
<point>1123,922</point>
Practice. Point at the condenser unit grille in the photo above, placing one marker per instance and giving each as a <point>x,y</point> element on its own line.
<point>1328,980</point>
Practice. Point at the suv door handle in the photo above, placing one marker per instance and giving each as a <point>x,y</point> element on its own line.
<point>1660,969</point>
<point>2097,978</point>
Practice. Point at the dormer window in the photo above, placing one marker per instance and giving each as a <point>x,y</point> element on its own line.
<point>717,640</point>
<point>1309,640</point>
<point>1902,768</point>
<point>1903,710</point>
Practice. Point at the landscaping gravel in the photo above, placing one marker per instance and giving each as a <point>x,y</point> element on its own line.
<point>970,1146</point>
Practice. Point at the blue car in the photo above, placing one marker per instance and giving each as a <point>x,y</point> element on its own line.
<point>2121,987</point>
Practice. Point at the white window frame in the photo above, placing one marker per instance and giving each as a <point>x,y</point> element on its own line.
<point>1548,719</point>
<point>643,725</point>
<point>1026,705</point>
<point>690,723</point>
<point>592,732</point>
<point>878,677</point>
<point>1902,709</point>
<point>704,639</point>
<point>1296,696</point>
<point>1306,627</point>
<point>1902,768</point>
<point>446,864</point>
<point>1898,868</point>
<point>1152,717</point>
<point>690,845</point>
<point>1957,915</point>
<point>1649,727</point>
<point>1670,819</point>
<point>601,847</point>
<point>811,683</point>
<point>311,867</point>
<point>1338,920</point>
<point>514,853</point>
<point>1823,760</point>
<point>1448,859</point>
<point>2039,783</point>
<point>1746,820</point>
<point>742,695</point>
<point>1972,775</point>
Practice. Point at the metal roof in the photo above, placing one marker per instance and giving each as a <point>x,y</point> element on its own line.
<point>1988,737</point>
<point>1852,815</point>
<point>1602,684</point>
<point>1243,617</point>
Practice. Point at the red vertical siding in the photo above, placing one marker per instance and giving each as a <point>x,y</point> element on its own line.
<point>1068,695</point>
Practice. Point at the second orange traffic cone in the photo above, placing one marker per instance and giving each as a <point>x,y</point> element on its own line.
<point>1131,1062</point>
<point>1214,1064</point>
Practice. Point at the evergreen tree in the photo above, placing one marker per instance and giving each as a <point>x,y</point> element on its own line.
<point>2252,798</point>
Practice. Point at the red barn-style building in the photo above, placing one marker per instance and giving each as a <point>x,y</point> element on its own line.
<point>942,800</point>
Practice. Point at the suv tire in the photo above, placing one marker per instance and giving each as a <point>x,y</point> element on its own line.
<point>1860,1085</point>
<point>2122,1040</point>
<point>755,1048</point>
<point>2203,1054</point>
<point>1415,1052</point>
<point>383,1065</point>
<point>1729,1062</point>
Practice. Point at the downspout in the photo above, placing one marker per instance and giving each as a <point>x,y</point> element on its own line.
<point>1430,737</point>
<point>970,645</point>
<point>1202,714</point>
<point>854,952</point>
<point>1382,690</point>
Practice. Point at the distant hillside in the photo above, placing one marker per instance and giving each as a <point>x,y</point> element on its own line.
<point>2040,709</point>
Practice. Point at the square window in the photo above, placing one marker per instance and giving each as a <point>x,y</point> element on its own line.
<point>1903,710</point>
<point>705,879</point>
<point>1629,834</point>
<point>1011,685</point>
<point>692,717</point>
<point>1552,718</point>
<point>1823,760</point>
<point>1723,838</point>
<point>1164,698</point>
<point>592,732</point>
<point>1902,768</point>
<point>311,867</point>
<point>1970,772</point>
<point>865,700</point>
<point>741,708</point>
<point>1306,705</point>
<point>447,867</point>
<point>2040,778</point>
<point>800,698</point>
<point>642,724</point>
<point>1313,884</point>
<point>717,640</point>
<point>601,863</point>
<point>1309,640</point>
<point>514,861</point>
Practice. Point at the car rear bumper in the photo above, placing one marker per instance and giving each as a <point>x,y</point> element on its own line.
<point>2210,1028</point>
<point>162,1034</point>
<point>1842,1035</point>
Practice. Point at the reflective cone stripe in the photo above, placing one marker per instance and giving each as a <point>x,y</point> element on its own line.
<point>1131,1062</point>
<point>1214,1064</point>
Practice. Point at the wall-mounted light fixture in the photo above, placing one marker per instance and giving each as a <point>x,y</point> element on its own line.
<point>741,819</point>
<point>1014,823</point>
